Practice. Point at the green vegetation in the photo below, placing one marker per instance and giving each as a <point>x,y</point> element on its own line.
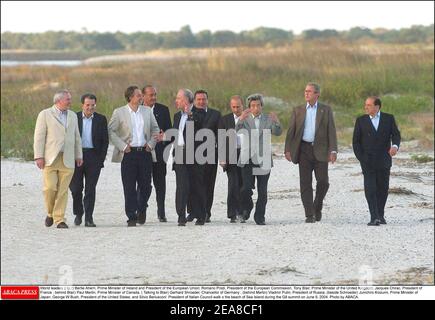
<point>402,75</point>
<point>421,158</point>
<point>142,41</point>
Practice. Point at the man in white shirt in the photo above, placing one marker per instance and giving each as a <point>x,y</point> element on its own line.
<point>133,131</point>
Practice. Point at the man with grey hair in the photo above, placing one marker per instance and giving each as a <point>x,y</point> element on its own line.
<point>311,142</point>
<point>257,164</point>
<point>189,174</point>
<point>57,149</point>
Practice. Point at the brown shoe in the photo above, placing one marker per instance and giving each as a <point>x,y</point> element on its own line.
<point>62,225</point>
<point>48,221</point>
<point>131,223</point>
<point>141,217</point>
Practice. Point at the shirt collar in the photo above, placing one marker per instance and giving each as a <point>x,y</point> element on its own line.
<point>256,117</point>
<point>84,117</point>
<point>377,115</point>
<point>59,111</point>
<point>308,105</point>
<point>131,110</point>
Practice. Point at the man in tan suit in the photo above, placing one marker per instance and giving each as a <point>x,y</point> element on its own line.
<point>133,130</point>
<point>57,146</point>
<point>311,142</point>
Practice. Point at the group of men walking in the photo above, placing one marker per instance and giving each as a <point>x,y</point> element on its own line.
<point>71,148</point>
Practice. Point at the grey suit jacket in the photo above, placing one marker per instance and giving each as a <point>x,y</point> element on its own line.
<point>248,148</point>
<point>120,133</point>
<point>325,139</point>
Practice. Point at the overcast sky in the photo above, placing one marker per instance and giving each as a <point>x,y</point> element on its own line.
<point>156,16</point>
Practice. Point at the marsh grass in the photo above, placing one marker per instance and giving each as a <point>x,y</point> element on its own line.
<point>402,76</point>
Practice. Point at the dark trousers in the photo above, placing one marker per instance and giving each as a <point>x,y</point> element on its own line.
<point>136,167</point>
<point>376,184</point>
<point>210,171</point>
<point>90,171</point>
<point>190,181</point>
<point>159,181</point>
<point>209,181</point>
<point>308,164</point>
<point>248,183</point>
<point>234,174</point>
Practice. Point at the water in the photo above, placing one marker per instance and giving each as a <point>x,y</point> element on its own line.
<point>61,63</point>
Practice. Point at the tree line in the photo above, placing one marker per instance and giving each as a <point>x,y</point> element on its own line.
<point>185,38</point>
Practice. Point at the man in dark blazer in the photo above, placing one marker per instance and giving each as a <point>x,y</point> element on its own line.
<point>95,141</point>
<point>211,122</point>
<point>232,153</point>
<point>311,142</point>
<point>188,173</point>
<point>161,113</point>
<point>376,139</point>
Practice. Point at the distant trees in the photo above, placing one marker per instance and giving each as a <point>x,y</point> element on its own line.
<point>141,41</point>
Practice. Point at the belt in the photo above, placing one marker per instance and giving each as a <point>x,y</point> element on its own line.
<point>87,149</point>
<point>138,149</point>
<point>310,143</point>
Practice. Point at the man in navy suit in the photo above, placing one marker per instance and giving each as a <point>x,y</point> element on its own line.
<point>95,140</point>
<point>161,113</point>
<point>376,139</point>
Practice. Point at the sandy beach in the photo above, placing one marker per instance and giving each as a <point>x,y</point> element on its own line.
<point>341,249</point>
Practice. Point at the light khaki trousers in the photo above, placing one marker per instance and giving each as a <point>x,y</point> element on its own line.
<point>57,178</point>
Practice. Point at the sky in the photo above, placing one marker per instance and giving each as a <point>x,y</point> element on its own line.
<point>157,16</point>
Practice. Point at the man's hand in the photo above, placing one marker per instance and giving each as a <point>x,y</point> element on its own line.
<point>148,148</point>
<point>159,136</point>
<point>274,117</point>
<point>40,163</point>
<point>333,157</point>
<point>288,156</point>
<point>223,164</point>
<point>79,162</point>
<point>127,149</point>
<point>245,114</point>
<point>392,151</point>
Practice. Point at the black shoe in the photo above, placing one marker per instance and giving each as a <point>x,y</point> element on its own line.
<point>382,221</point>
<point>163,219</point>
<point>189,218</point>
<point>245,215</point>
<point>207,220</point>
<point>90,224</point>
<point>62,225</point>
<point>200,222</point>
<point>261,223</point>
<point>319,216</point>
<point>375,222</point>
<point>131,223</point>
<point>48,221</point>
<point>310,219</point>
<point>78,220</point>
<point>181,221</point>
<point>233,220</point>
<point>141,217</point>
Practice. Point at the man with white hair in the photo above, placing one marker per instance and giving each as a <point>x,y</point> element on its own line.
<point>57,148</point>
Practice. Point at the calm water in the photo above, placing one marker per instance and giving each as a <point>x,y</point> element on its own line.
<point>61,63</point>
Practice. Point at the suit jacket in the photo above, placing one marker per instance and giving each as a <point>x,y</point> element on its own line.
<point>100,135</point>
<point>211,121</point>
<point>120,129</point>
<point>197,117</point>
<point>371,146</point>
<point>325,139</point>
<point>161,113</point>
<point>249,124</point>
<point>51,135</point>
<point>227,122</point>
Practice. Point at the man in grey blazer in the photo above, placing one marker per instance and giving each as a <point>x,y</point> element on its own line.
<point>255,156</point>
<point>133,131</point>
<point>57,148</point>
<point>311,142</point>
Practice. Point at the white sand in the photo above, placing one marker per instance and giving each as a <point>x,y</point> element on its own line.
<point>285,251</point>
